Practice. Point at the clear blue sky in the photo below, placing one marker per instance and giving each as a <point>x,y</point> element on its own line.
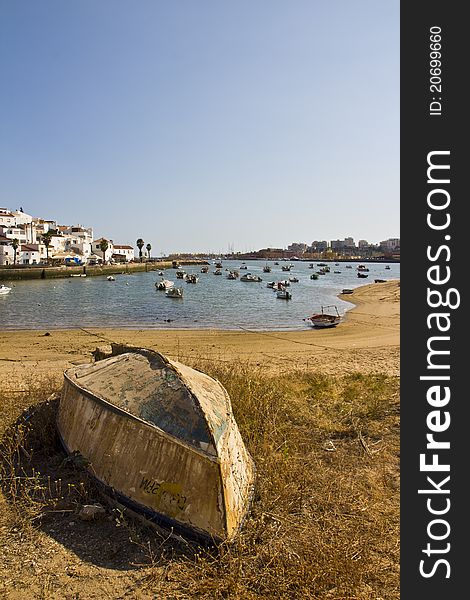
<point>202,124</point>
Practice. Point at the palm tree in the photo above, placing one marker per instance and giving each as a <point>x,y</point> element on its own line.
<point>140,244</point>
<point>46,240</point>
<point>148,247</point>
<point>103,247</point>
<point>15,244</point>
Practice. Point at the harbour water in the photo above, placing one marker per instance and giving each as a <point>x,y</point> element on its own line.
<point>132,301</point>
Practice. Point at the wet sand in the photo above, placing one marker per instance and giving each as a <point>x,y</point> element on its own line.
<point>367,340</point>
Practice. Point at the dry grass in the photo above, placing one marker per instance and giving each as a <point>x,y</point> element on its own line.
<point>324,521</point>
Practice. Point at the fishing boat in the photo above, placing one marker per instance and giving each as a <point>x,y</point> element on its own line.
<point>174,292</point>
<point>363,275</point>
<point>164,284</point>
<point>161,439</point>
<point>284,294</point>
<point>250,277</point>
<point>324,319</point>
<point>4,290</point>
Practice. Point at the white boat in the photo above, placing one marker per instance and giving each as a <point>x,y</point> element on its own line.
<point>294,279</point>
<point>324,319</point>
<point>218,272</point>
<point>243,266</point>
<point>161,439</point>
<point>205,269</point>
<point>284,294</point>
<point>110,278</point>
<point>164,284</point>
<point>4,290</point>
<point>180,274</point>
<point>77,274</point>
<point>191,278</point>
<point>250,277</point>
<point>174,292</point>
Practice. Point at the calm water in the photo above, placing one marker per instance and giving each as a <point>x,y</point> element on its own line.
<point>214,302</point>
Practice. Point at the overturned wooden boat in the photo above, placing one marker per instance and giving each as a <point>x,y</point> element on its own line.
<point>163,440</point>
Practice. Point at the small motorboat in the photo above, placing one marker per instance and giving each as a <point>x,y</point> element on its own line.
<point>387,266</point>
<point>250,277</point>
<point>286,267</point>
<point>314,276</point>
<point>310,266</point>
<point>271,284</point>
<point>337,272</point>
<point>191,278</point>
<point>110,278</point>
<point>232,275</point>
<point>161,273</point>
<point>284,294</point>
<point>218,272</point>
<point>348,266</point>
<point>362,268</point>
<point>294,279</point>
<point>4,290</point>
<point>174,292</point>
<point>205,269</point>
<point>243,266</point>
<point>347,291</point>
<point>324,319</point>
<point>380,280</point>
<point>266,269</point>
<point>180,274</point>
<point>277,264</point>
<point>363,275</point>
<point>164,284</point>
<point>77,274</point>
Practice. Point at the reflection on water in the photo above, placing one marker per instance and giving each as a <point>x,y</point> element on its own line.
<point>214,302</point>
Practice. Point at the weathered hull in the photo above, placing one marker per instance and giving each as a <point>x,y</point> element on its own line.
<point>200,488</point>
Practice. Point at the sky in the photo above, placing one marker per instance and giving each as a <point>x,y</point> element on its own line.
<point>201,125</point>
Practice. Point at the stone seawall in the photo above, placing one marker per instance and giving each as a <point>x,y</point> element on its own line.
<point>12,274</point>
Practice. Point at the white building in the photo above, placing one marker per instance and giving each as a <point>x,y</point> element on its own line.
<point>106,257</point>
<point>390,244</point>
<point>123,253</point>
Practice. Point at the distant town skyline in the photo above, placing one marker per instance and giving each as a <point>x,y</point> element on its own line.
<point>204,126</point>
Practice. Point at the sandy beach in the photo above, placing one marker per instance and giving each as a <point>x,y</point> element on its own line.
<point>367,341</point>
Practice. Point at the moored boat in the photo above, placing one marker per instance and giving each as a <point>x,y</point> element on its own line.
<point>284,294</point>
<point>164,284</point>
<point>4,290</point>
<point>250,277</point>
<point>347,291</point>
<point>363,275</point>
<point>162,439</point>
<point>266,269</point>
<point>174,292</point>
<point>323,319</point>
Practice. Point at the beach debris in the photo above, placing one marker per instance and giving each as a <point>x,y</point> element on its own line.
<point>92,512</point>
<point>101,352</point>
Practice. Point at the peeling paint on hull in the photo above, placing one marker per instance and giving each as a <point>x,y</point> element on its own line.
<point>162,436</point>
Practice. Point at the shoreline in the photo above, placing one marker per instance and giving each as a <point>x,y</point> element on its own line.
<point>366,341</point>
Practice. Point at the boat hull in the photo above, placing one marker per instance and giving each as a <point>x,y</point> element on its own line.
<point>199,492</point>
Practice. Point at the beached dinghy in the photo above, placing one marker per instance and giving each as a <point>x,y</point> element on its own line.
<point>163,439</point>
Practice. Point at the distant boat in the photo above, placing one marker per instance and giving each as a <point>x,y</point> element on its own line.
<point>286,267</point>
<point>180,274</point>
<point>363,275</point>
<point>284,294</point>
<point>314,276</point>
<point>218,272</point>
<point>243,266</point>
<point>4,290</point>
<point>380,280</point>
<point>387,266</point>
<point>310,266</point>
<point>337,272</point>
<point>110,278</point>
<point>77,274</point>
<point>205,269</point>
<point>174,293</point>
<point>294,279</point>
<point>362,268</point>
<point>348,266</point>
<point>271,284</point>
<point>191,278</point>
<point>266,269</point>
<point>324,319</point>
<point>164,284</point>
<point>250,277</point>
<point>347,291</point>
